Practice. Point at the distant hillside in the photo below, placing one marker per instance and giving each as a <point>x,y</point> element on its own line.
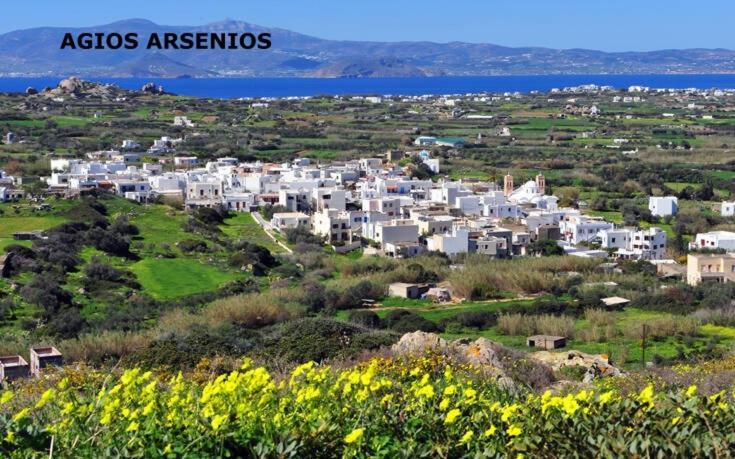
<point>36,52</point>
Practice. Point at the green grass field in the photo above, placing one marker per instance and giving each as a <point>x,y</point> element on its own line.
<point>167,278</point>
<point>10,224</point>
<point>243,226</point>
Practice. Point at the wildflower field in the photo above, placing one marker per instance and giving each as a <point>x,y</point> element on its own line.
<point>425,407</point>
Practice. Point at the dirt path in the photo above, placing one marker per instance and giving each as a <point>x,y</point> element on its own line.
<point>269,231</point>
<point>448,306</point>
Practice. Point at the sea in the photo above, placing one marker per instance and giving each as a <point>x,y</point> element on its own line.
<point>255,87</point>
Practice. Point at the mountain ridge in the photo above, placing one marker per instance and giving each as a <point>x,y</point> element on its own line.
<point>35,51</point>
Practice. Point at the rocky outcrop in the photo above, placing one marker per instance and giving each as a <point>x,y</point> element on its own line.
<point>150,88</point>
<point>419,342</point>
<point>509,366</point>
<point>75,87</point>
<point>30,90</point>
<point>71,85</point>
<point>597,366</point>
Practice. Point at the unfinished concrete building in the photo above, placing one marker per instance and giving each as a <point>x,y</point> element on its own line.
<point>42,357</point>
<point>13,367</point>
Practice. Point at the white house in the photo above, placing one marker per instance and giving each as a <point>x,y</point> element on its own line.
<point>287,220</point>
<point>663,206</point>
<point>388,206</point>
<point>238,202</point>
<point>451,244</point>
<point>335,225</point>
<point>496,205</point>
<point>10,194</point>
<point>183,121</point>
<point>294,200</point>
<point>579,228</point>
<point>328,198</point>
<point>395,231</point>
<point>129,144</point>
<point>647,244</point>
<point>727,209</point>
<point>714,240</point>
<point>185,161</point>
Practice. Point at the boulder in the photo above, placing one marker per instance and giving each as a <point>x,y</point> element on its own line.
<point>479,352</point>
<point>30,90</point>
<point>419,342</point>
<point>71,85</point>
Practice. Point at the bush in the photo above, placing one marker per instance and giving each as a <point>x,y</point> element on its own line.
<point>109,242</point>
<point>192,245</point>
<point>66,323</point>
<point>405,321</point>
<point>122,226</point>
<point>302,235</point>
<point>476,319</point>
<point>319,339</point>
<point>365,318</point>
<point>352,297</point>
<point>183,350</point>
<point>209,216</point>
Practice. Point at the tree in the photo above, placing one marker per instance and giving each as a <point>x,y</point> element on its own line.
<point>545,247</point>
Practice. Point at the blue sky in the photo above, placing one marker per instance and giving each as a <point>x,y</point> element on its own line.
<point>610,25</point>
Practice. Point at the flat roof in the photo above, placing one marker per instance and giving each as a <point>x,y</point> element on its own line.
<point>12,361</point>
<point>45,351</point>
<point>613,300</point>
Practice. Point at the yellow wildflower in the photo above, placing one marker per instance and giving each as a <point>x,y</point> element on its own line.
<point>21,414</point>
<point>508,411</point>
<point>355,435</point>
<point>218,420</point>
<point>466,437</point>
<point>45,398</point>
<point>691,391</point>
<point>444,404</point>
<point>646,396</point>
<point>148,409</point>
<point>605,397</point>
<point>132,427</point>
<point>514,430</point>
<point>6,397</point>
<point>452,416</point>
<point>570,405</point>
<point>426,391</point>
<point>675,420</point>
<point>491,431</point>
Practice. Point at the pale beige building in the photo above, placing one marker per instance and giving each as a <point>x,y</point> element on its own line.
<point>710,268</point>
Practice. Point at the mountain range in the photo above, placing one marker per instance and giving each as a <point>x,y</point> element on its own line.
<point>36,52</point>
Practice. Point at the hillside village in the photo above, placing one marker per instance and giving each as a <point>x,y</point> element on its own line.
<point>374,203</point>
<point>374,199</point>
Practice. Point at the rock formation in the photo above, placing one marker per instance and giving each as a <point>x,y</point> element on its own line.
<point>535,369</point>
